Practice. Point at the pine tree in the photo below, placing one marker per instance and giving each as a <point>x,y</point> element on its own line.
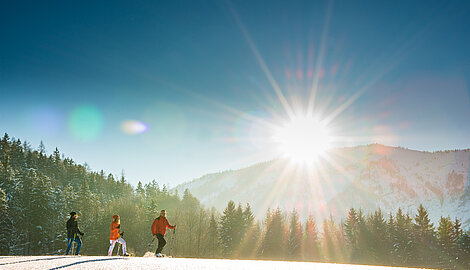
<point>140,190</point>
<point>253,242</point>
<point>239,229</point>
<point>464,250</point>
<point>38,212</point>
<point>227,230</point>
<point>248,245</point>
<point>311,246</point>
<point>212,239</point>
<point>390,233</point>
<point>248,217</point>
<point>274,243</point>
<point>445,241</point>
<point>403,238</point>
<point>457,235</point>
<point>351,229</point>
<point>379,246</point>
<point>42,148</point>
<point>294,243</point>
<point>424,236</point>
<point>5,225</point>
<point>330,246</point>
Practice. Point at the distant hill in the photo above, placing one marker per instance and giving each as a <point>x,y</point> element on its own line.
<point>366,177</point>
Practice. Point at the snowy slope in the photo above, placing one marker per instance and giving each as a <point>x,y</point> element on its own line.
<point>96,262</point>
<point>366,177</point>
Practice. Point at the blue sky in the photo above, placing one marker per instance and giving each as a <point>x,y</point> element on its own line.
<point>189,70</point>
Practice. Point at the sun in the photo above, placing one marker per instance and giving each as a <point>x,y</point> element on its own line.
<point>303,139</point>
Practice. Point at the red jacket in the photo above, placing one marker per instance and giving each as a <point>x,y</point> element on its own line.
<point>159,226</point>
<point>114,231</point>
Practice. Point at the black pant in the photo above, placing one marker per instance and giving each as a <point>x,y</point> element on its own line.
<point>161,243</point>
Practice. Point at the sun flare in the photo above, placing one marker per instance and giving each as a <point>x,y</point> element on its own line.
<point>303,139</point>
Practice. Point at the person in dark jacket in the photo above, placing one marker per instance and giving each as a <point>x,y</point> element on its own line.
<point>159,229</point>
<point>72,233</point>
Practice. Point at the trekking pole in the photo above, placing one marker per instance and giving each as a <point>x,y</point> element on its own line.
<point>148,247</point>
<point>81,240</point>
<point>172,240</point>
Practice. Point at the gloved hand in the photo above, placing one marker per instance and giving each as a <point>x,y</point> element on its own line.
<point>122,234</point>
<point>82,234</point>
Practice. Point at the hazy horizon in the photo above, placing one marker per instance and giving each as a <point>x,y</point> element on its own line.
<point>173,185</point>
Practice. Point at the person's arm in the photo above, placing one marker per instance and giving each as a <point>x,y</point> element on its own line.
<point>78,229</point>
<point>170,226</point>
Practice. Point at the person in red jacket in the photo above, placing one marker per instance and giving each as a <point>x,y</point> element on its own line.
<point>116,236</point>
<point>159,229</point>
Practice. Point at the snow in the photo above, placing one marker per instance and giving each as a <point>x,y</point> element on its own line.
<point>102,262</point>
<point>386,177</point>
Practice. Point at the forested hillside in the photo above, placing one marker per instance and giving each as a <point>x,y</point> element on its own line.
<point>38,190</point>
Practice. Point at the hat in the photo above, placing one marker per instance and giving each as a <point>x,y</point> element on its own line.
<point>72,214</point>
<point>115,216</point>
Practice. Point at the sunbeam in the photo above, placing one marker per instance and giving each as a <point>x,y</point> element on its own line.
<point>262,63</point>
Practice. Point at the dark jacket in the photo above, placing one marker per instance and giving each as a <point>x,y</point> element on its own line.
<point>72,228</point>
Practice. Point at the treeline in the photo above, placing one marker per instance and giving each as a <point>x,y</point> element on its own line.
<point>398,240</point>
<point>37,192</point>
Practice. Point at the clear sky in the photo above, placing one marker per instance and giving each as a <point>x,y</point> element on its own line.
<point>198,78</point>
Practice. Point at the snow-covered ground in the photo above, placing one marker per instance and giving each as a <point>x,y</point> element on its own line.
<point>99,262</point>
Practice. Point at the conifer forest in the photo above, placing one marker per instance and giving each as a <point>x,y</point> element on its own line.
<point>38,190</point>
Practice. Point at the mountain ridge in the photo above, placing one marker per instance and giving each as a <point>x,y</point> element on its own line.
<point>366,176</point>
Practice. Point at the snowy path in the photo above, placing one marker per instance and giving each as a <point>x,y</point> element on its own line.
<point>99,262</point>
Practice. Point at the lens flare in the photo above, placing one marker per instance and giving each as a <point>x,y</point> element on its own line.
<point>86,123</point>
<point>134,127</point>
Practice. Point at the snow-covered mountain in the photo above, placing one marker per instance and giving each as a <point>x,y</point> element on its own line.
<point>366,177</point>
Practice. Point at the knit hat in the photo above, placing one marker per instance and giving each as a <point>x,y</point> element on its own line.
<point>72,214</point>
<point>115,216</point>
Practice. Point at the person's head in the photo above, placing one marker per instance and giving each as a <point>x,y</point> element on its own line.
<point>73,215</point>
<point>163,213</point>
<point>116,218</point>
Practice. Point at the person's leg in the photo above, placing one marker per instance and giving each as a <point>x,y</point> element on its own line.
<point>123,243</point>
<point>79,244</point>
<point>161,243</point>
<point>111,247</point>
<point>69,245</point>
